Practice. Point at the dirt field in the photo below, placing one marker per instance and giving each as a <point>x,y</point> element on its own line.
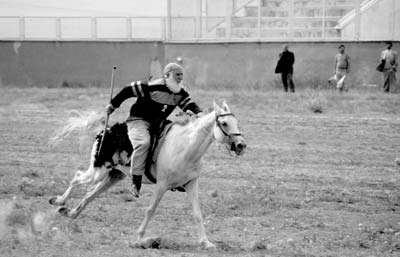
<point>319,178</point>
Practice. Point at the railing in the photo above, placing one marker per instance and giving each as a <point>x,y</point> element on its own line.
<point>82,28</point>
<point>180,28</point>
<point>249,20</point>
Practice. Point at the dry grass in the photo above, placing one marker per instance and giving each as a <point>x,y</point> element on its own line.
<point>311,183</point>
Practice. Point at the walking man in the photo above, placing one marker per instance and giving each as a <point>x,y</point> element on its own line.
<point>341,68</point>
<point>389,56</point>
<point>285,67</point>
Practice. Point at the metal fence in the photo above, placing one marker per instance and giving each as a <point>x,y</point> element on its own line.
<point>230,20</point>
<point>82,28</point>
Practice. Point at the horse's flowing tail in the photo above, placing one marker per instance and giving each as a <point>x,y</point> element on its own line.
<point>83,123</point>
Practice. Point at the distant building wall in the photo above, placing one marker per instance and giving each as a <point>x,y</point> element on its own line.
<point>380,21</point>
<point>228,65</point>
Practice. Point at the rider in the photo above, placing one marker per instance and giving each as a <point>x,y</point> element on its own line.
<point>156,100</point>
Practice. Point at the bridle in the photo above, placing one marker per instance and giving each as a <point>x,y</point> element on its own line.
<point>226,133</point>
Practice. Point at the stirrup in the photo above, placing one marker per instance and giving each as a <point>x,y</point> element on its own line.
<point>136,185</point>
<point>135,191</point>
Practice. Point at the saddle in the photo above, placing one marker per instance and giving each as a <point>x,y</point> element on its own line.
<point>157,135</point>
<point>116,143</point>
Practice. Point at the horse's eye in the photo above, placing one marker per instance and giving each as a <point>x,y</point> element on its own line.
<point>224,124</point>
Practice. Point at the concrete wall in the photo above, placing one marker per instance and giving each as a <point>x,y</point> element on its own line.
<point>253,64</point>
<point>51,64</point>
<point>228,65</point>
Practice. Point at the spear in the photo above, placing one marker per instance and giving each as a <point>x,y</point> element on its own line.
<point>107,115</point>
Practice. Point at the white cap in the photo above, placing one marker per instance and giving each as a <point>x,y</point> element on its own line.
<point>172,67</point>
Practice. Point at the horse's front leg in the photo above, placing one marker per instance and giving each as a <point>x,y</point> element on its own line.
<point>159,193</point>
<point>193,195</point>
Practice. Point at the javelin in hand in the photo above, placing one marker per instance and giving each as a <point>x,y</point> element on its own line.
<point>108,115</point>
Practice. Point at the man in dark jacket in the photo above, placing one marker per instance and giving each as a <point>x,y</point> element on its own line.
<point>285,67</point>
<point>156,100</point>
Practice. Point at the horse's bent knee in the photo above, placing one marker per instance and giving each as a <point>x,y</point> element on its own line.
<point>150,212</point>
<point>140,233</point>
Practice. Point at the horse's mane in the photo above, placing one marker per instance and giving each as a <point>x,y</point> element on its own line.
<point>189,117</point>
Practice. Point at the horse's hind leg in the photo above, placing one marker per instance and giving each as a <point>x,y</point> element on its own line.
<point>79,178</point>
<point>193,194</point>
<point>113,177</point>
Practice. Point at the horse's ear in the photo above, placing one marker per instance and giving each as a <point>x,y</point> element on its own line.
<point>225,107</point>
<point>217,109</point>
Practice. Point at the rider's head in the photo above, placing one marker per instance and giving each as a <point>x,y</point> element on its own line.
<point>173,74</point>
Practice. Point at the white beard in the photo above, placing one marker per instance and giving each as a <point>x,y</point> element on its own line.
<point>174,86</point>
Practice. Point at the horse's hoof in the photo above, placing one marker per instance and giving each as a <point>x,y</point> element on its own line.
<point>53,201</point>
<point>64,211</point>
<point>208,245</point>
<point>147,243</point>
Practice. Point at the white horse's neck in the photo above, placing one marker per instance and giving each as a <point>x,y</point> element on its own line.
<point>200,137</point>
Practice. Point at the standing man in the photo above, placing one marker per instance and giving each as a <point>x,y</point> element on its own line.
<point>285,67</point>
<point>156,100</point>
<point>341,68</point>
<point>389,56</point>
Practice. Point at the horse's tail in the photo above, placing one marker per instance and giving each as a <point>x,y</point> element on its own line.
<point>83,123</point>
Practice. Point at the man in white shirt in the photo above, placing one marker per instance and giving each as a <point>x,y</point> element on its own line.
<point>341,67</point>
<point>389,72</point>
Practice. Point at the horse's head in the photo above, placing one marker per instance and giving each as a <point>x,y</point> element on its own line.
<point>226,130</point>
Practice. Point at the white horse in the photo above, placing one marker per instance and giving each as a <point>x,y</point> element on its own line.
<point>178,164</point>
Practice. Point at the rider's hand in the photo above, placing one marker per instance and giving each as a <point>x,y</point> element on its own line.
<point>200,114</point>
<point>189,112</point>
<point>109,109</point>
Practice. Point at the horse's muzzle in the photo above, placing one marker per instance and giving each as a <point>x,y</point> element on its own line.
<point>238,147</point>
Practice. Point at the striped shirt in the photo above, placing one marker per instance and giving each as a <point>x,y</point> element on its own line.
<point>155,102</point>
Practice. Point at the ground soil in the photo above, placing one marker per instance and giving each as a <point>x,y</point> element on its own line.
<point>319,178</point>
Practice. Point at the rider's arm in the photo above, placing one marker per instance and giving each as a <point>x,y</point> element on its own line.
<point>188,104</point>
<point>134,89</point>
<point>348,63</point>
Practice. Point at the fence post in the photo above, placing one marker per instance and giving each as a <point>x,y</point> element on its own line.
<point>22,28</point>
<point>323,19</point>
<point>94,27</point>
<point>163,28</point>
<point>393,27</point>
<point>58,28</point>
<point>228,18</point>
<point>169,20</point>
<point>291,19</point>
<point>198,19</point>
<point>129,28</point>
<point>357,24</point>
<point>259,20</point>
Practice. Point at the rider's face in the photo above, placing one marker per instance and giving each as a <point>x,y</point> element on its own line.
<point>178,76</point>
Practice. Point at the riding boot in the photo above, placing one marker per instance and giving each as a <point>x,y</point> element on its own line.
<point>136,185</point>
